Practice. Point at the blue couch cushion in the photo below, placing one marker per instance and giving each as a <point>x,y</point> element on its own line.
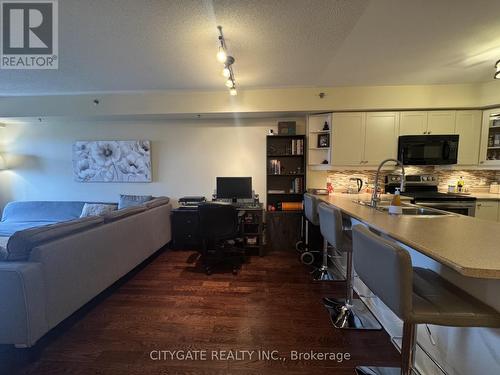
<point>22,242</point>
<point>22,215</point>
<point>7,229</point>
<point>47,212</point>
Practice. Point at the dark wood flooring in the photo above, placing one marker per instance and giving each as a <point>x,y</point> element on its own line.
<point>170,304</point>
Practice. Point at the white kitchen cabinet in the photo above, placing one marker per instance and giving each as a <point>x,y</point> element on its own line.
<point>431,122</point>
<point>487,210</point>
<point>441,122</point>
<point>490,136</point>
<point>381,137</point>
<point>348,138</point>
<point>364,139</point>
<point>468,127</point>
<point>413,123</point>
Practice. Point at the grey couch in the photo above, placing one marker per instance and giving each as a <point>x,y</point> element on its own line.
<point>70,263</point>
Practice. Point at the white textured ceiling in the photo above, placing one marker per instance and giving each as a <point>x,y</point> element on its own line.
<point>139,45</point>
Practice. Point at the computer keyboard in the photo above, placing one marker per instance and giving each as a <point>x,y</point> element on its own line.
<point>247,205</point>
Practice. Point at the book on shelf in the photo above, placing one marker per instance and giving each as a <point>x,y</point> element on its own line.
<point>276,191</point>
<point>274,166</point>
<point>291,206</point>
<point>297,185</point>
<point>297,146</point>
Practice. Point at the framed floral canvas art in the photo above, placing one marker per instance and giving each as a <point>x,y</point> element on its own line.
<point>112,161</point>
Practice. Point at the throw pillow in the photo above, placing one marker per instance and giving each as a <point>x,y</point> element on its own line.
<point>132,200</point>
<point>3,248</point>
<point>96,209</point>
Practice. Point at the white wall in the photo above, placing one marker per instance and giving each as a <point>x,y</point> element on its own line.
<point>187,156</point>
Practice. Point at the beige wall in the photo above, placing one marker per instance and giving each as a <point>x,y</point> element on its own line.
<point>490,93</point>
<point>254,101</point>
<point>187,156</point>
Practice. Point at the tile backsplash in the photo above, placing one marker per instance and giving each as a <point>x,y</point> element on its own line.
<point>473,178</point>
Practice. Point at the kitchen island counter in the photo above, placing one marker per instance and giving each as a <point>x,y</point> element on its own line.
<point>467,245</point>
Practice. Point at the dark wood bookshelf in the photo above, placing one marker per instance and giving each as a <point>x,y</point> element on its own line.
<point>283,156</point>
<point>286,170</point>
<point>288,174</point>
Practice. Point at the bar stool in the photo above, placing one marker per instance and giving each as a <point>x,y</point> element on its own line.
<point>416,295</point>
<point>348,313</point>
<point>311,218</point>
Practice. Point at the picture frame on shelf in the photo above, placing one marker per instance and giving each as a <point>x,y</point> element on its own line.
<point>323,140</point>
<point>287,127</point>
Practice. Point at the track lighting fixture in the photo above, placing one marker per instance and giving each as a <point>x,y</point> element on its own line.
<point>228,61</point>
<point>221,55</point>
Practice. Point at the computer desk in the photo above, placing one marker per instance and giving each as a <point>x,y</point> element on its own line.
<point>185,227</point>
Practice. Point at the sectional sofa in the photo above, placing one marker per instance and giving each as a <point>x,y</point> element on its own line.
<point>61,261</point>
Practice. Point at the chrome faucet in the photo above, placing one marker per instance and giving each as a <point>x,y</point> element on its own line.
<point>375,197</point>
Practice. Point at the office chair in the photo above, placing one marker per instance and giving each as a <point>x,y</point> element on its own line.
<point>219,233</point>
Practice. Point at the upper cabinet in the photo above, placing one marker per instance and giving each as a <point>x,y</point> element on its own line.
<point>348,133</point>
<point>432,122</point>
<point>364,139</point>
<point>381,137</point>
<point>468,127</point>
<point>441,122</point>
<point>490,138</point>
<point>413,123</point>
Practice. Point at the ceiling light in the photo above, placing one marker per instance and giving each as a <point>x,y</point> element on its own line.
<point>497,73</point>
<point>221,55</point>
<point>228,61</point>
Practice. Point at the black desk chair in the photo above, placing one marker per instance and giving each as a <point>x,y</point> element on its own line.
<point>219,233</point>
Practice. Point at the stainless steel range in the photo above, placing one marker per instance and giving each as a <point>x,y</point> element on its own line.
<point>424,191</point>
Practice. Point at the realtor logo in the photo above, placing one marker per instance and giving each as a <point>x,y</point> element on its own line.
<point>29,37</point>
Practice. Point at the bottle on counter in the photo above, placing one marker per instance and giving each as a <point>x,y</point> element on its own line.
<point>329,185</point>
<point>395,207</point>
<point>460,184</point>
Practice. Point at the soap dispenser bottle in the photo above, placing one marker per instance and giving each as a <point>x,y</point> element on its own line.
<point>395,207</point>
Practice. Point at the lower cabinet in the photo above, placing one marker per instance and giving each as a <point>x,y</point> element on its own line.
<point>283,230</point>
<point>487,210</point>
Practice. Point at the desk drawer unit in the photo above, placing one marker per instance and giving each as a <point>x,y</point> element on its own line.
<point>185,229</point>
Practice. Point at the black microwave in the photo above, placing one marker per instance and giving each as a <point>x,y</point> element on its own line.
<point>428,149</point>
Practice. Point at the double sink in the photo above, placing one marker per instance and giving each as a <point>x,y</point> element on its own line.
<point>407,208</point>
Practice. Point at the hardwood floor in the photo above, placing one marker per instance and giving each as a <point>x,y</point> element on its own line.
<point>170,304</point>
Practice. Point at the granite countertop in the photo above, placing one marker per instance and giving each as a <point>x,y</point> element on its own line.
<point>485,196</point>
<point>467,245</point>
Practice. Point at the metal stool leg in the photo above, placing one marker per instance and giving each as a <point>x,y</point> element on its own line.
<point>324,273</point>
<point>307,256</point>
<point>351,313</point>
<point>301,245</point>
<point>408,350</point>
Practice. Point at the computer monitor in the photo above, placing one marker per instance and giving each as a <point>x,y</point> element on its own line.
<point>234,188</point>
